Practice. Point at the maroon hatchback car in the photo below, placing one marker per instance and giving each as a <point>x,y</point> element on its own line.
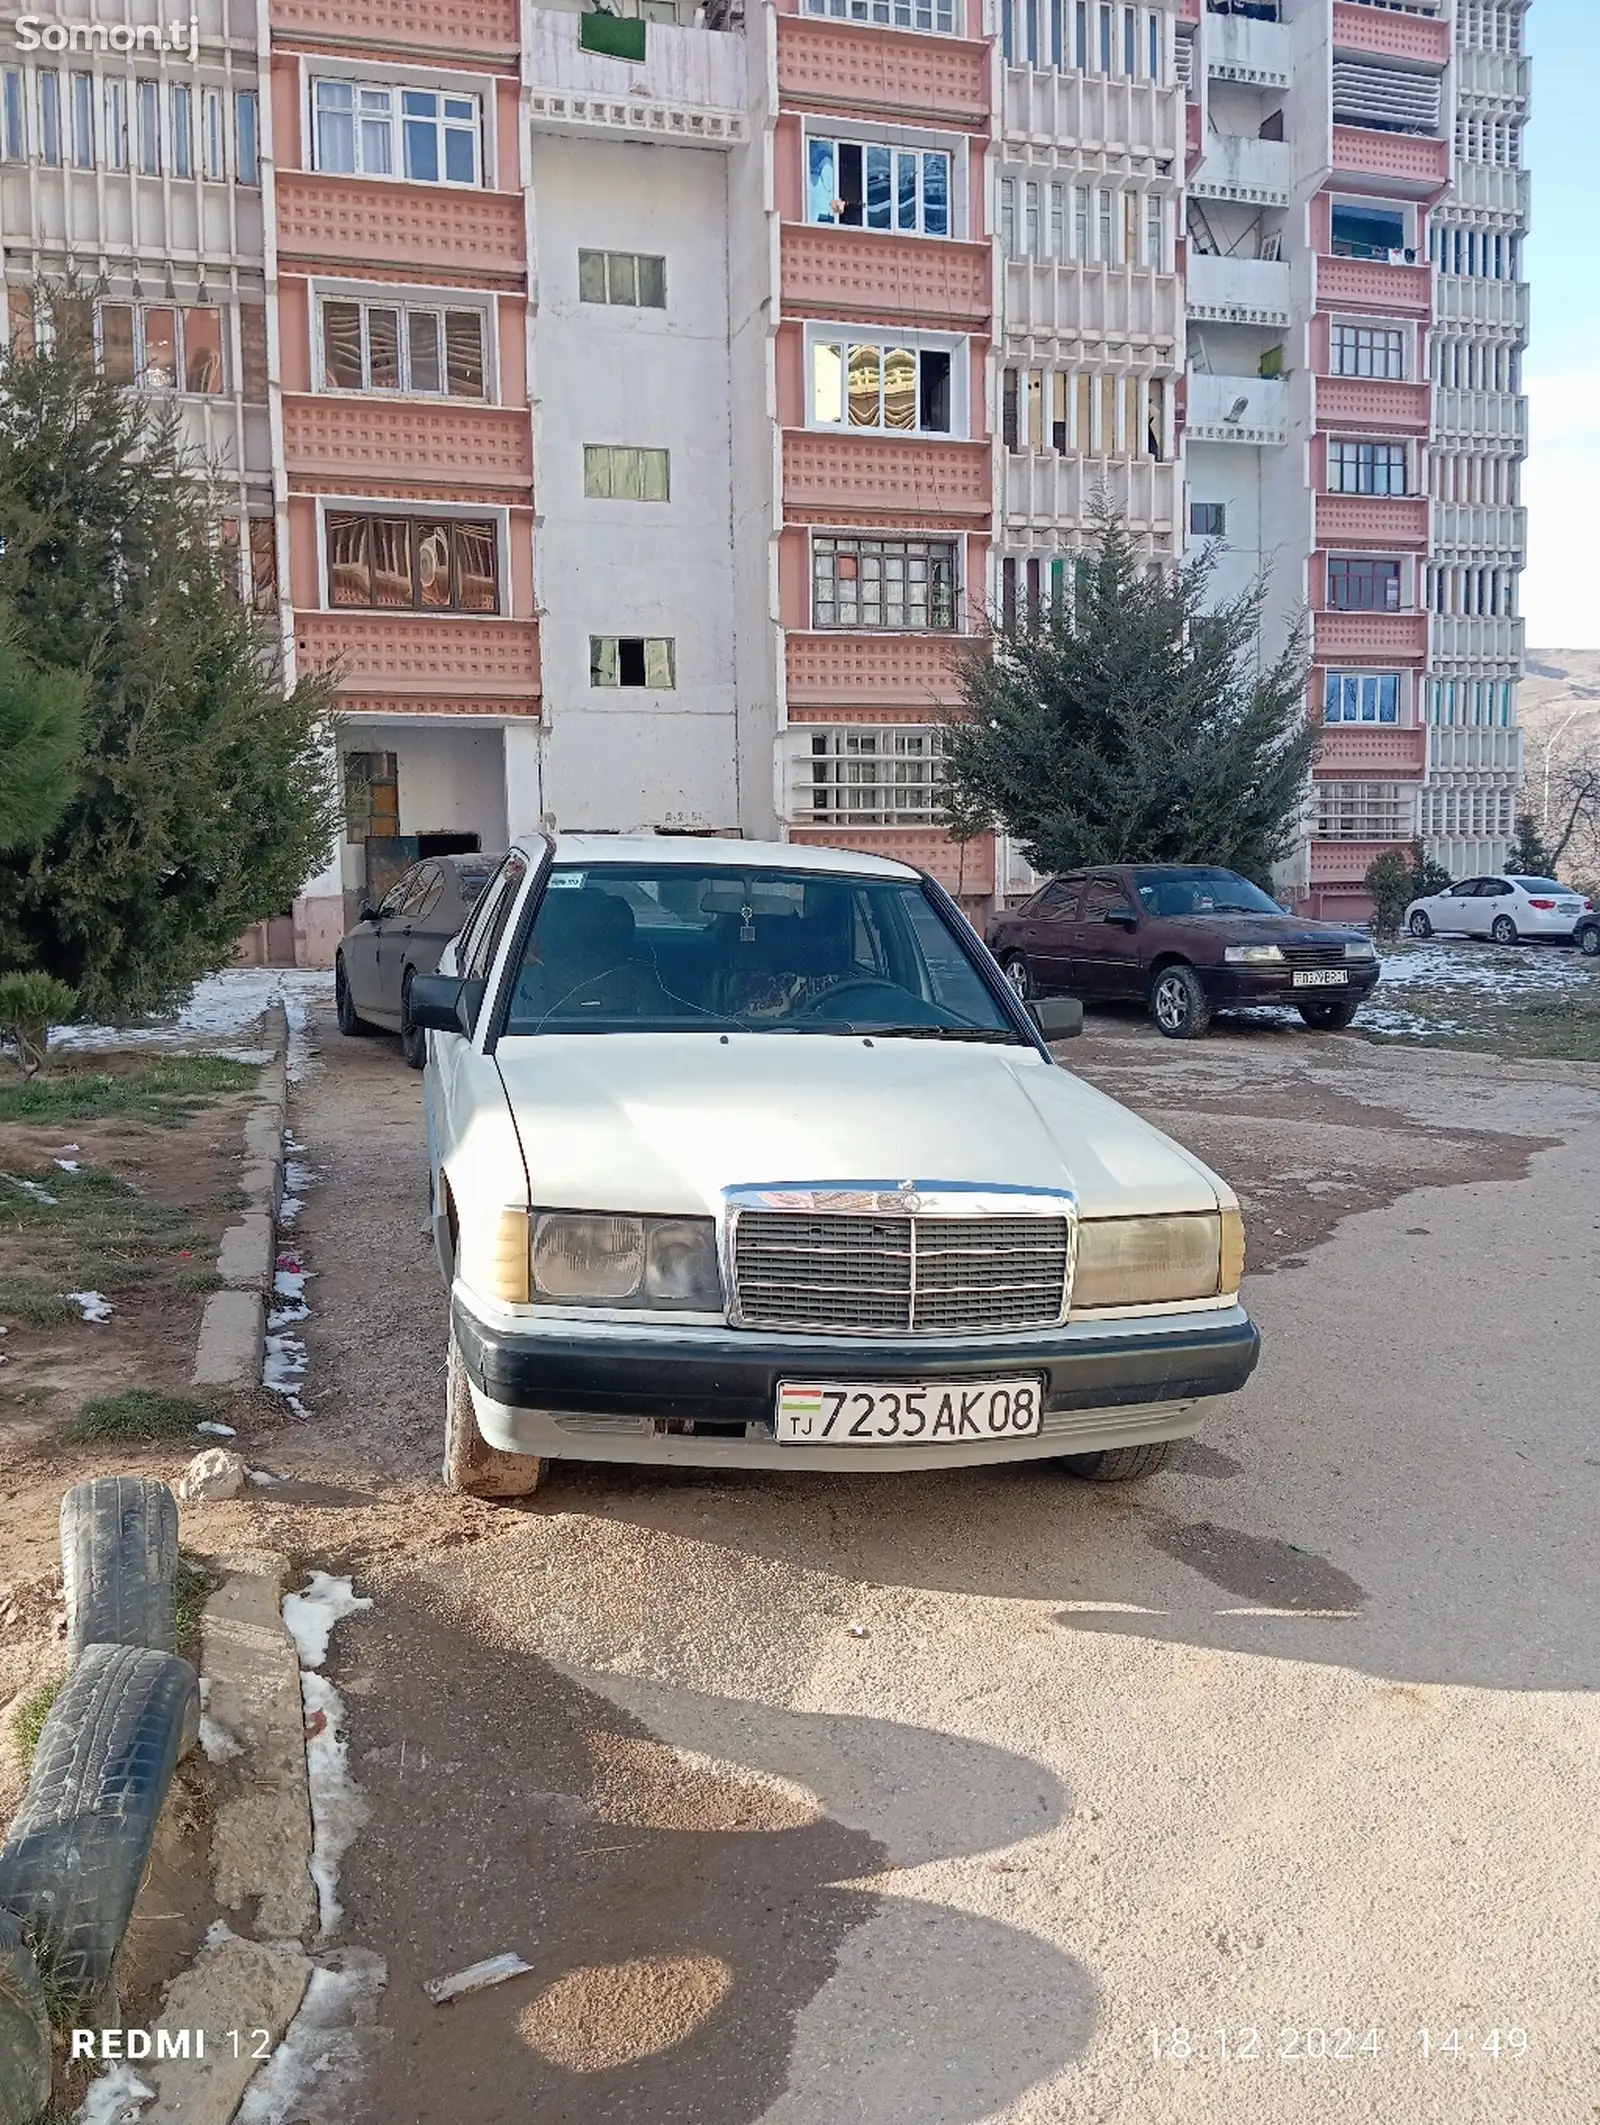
<point>1185,940</point>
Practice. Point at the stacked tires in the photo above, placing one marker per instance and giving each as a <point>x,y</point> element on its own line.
<point>78,1851</point>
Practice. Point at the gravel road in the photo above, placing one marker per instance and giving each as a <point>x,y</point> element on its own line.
<point>948,1797</point>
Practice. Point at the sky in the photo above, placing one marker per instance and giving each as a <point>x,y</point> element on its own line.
<point>1561,591</point>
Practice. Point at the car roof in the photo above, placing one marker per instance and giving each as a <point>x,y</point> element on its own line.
<point>714,852</point>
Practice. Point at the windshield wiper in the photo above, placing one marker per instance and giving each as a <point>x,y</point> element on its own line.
<point>981,1033</point>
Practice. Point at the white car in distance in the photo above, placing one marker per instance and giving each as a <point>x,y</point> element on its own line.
<point>748,1155</point>
<point>1507,909</point>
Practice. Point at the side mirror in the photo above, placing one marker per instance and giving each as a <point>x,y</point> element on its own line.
<point>366,912</point>
<point>1122,920</point>
<point>1057,1017</point>
<point>444,1003</point>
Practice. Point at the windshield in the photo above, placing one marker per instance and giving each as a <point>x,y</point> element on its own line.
<point>1191,891</point>
<point>671,948</point>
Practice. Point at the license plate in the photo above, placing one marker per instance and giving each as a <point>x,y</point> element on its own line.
<point>907,1413</point>
<point>1322,978</point>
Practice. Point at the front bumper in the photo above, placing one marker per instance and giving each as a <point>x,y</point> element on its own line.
<point>1240,987</point>
<point>706,1396</point>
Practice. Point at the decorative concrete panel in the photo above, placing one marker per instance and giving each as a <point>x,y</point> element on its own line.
<point>912,669</point>
<point>1376,33</point>
<point>1372,520</point>
<point>329,438</point>
<point>969,872</point>
<point>1345,862</point>
<point>1418,165</point>
<point>858,273</point>
<point>405,655</point>
<point>890,476</point>
<point>385,706</point>
<point>334,221</point>
<point>840,67</point>
<point>1362,752</point>
<point>1371,284</point>
<point>1372,402</point>
<point>453,26</point>
<point>1372,637</point>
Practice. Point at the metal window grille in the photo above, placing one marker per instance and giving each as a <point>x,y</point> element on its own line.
<point>894,584</point>
<point>1364,811</point>
<point>872,778</point>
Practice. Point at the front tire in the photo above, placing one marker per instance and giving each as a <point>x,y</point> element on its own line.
<point>1503,930</point>
<point>1179,1004</point>
<point>1119,1464</point>
<point>1329,1017</point>
<point>351,1023</point>
<point>1020,975</point>
<point>413,1040</point>
<point>1589,942</point>
<point>471,1465</point>
<point>1419,925</point>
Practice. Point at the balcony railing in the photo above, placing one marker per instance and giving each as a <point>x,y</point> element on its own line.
<point>835,65</point>
<point>1251,172</point>
<point>1370,402</point>
<point>1358,751</point>
<point>668,84</point>
<point>1254,50</point>
<point>1238,291</point>
<point>1405,160</point>
<point>840,478</point>
<point>1237,409</point>
<point>1371,637</point>
<point>859,273</point>
<point>1365,284</point>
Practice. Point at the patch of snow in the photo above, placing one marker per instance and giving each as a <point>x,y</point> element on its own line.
<point>309,1616</point>
<point>68,1165</point>
<point>218,1744</point>
<point>337,1808</point>
<point>261,1475</point>
<point>284,1362</point>
<point>313,2072</point>
<point>1492,971</point>
<point>220,1010</point>
<point>221,1431</point>
<point>93,1305</point>
<point>115,2099</point>
<point>40,1195</point>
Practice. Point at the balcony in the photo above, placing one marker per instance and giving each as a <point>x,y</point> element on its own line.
<point>414,658</point>
<point>407,446</point>
<point>1342,866</point>
<point>836,479</point>
<point>1237,409</point>
<point>1482,305</point>
<point>1484,78</point>
<point>828,670</point>
<point>1256,53</point>
<point>1046,301</point>
<point>1487,188</point>
<point>1105,112</point>
<point>1470,531</point>
<point>1377,33</point>
<point>836,66</point>
<point>1371,752</point>
<point>1380,520</point>
<point>1494,419</point>
<point>466,30</point>
<point>1453,751</point>
<point>1401,162</point>
<point>689,86</point>
<point>1479,643</point>
<point>1371,637</point>
<point>1370,402</point>
<point>1239,291</point>
<point>327,222</point>
<point>860,273</point>
<point>1051,495</point>
<point>1255,173</point>
<point>1373,284</point>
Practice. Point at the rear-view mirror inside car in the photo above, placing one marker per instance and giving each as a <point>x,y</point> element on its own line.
<point>1057,1017</point>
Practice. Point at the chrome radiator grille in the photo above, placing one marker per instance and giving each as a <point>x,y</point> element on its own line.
<point>880,1275</point>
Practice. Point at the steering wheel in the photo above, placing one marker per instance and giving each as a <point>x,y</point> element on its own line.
<point>905,1006</point>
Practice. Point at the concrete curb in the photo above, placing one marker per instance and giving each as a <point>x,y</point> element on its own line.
<point>234,1325</point>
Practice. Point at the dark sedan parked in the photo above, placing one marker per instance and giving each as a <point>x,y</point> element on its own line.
<point>1184,939</point>
<point>403,937</point>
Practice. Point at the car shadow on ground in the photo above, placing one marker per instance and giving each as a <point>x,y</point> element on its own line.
<point>698,1888</point>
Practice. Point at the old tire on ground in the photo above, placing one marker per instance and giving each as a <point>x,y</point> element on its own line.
<point>1178,1003</point>
<point>413,1041</point>
<point>351,1022</point>
<point>471,1465</point>
<point>77,1852</point>
<point>1419,925</point>
<point>119,1560</point>
<point>1503,930</point>
<point>25,2060</point>
<point>1119,1464</point>
<point>1017,971</point>
<point>1331,1014</point>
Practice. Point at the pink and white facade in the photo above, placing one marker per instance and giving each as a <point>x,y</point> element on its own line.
<point>637,414</point>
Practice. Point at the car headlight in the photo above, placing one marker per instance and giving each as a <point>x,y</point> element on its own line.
<point>1148,1261</point>
<point>1361,950</point>
<point>1253,955</point>
<point>587,1260</point>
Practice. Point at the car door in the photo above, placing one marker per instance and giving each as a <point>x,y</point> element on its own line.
<point>422,888</point>
<point>1048,938</point>
<point>361,948</point>
<point>1460,908</point>
<point>1105,950</point>
<point>460,1077</point>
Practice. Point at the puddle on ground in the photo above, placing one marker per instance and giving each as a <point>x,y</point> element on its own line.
<point>1258,1567</point>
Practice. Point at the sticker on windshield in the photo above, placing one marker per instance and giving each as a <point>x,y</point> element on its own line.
<point>567,879</point>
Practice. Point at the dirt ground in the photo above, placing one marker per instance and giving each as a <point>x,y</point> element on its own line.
<point>988,1795</point>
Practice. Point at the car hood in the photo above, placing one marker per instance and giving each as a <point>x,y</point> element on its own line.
<point>662,1123</point>
<point>1281,930</point>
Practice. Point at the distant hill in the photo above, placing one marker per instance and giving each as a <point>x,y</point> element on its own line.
<point>1562,683</point>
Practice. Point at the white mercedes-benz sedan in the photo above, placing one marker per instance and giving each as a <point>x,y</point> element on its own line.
<point>749,1155</point>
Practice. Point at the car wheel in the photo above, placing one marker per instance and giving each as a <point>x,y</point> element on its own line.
<point>351,1022</point>
<point>1020,975</point>
<point>1589,942</point>
<point>471,1465</point>
<point>1119,1464</point>
<point>1503,930</point>
<point>413,1040</point>
<point>1178,1003</point>
<point>1420,926</point>
<point>1329,1017</point>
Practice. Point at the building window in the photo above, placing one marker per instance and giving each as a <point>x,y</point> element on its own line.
<point>417,564</point>
<point>83,121</point>
<point>49,116</point>
<point>898,584</point>
<point>182,109</point>
<point>374,129</point>
<point>163,348</point>
<point>1361,697</point>
<point>16,128</point>
<point>633,660</point>
<point>1369,350</point>
<point>1363,811</point>
<point>937,16</point>
<point>857,185</point>
<point>247,136</point>
<point>263,563</point>
<point>147,103</point>
<point>873,778</point>
<point>116,136</point>
<point>1208,520</point>
<point>1363,586</point>
<point>627,278</point>
<point>425,350</point>
<point>1155,232</point>
<point>874,385</point>
<point>617,472</point>
<point>1367,468</point>
<point>1370,232</point>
